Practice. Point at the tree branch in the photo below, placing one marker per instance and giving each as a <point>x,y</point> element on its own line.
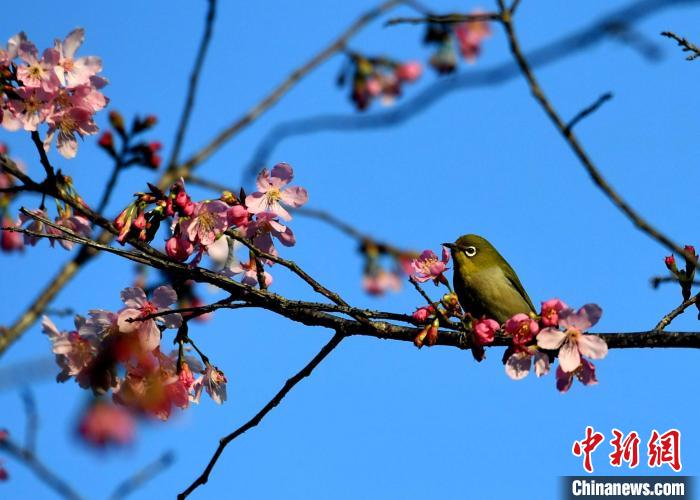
<point>277,399</point>
<point>682,42</point>
<point>194,80</point>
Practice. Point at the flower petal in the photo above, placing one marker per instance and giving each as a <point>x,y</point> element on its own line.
<point>133,297</point>
<point>284,172</point>
<point>550,338</point>
<point>592,346</point>
<point>518,365</point>
<point>569,357</point>
<point>294,196</point>
<point>582,320</point>
<point>163,296</point>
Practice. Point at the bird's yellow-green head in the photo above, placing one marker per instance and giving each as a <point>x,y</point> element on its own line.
<point>472,253</point>
<point>484,282</point>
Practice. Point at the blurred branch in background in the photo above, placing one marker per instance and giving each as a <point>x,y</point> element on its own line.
<point>142,476</point>
<point>617,25</point>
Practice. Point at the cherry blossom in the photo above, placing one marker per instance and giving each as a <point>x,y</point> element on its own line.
<point>69,70</point>
<point>138,306</point>
<point>11,240</point>
<point>470,36</point>
<point>485,330</point>
<point>264,228</point>
<point>571,342</point>
<point>380,282</point>
<point>518,364</point>
<point>272,193</point>
<point>585,373</point>
<point>76,223</point>
<point>428,267</point>
<point>550,312</point>
<point>522,328</point>
<point>208,221</point>
<point>214,382</point>
<point>37,72</point>
<point>104,424</point>
<point>74,352</point>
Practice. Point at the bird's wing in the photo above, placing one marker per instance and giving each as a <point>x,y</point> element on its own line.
<point>515,281</point>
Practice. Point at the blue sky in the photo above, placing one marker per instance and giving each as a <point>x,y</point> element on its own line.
<point>381,419</point>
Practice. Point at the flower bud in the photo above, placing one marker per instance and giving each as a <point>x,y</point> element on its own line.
<point>117,121</point>
<point>178,248</point>
<point>670,262</point>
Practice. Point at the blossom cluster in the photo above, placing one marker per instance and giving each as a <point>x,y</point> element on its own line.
<point>199,227</point>
<point>535,339</point>
<point>121,352</point>
<point>56,88</point>
<point>377,78</point>
<point>67,218</point>
<point>468,36</point>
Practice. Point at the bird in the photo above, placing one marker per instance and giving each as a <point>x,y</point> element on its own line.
<point>484,282</point>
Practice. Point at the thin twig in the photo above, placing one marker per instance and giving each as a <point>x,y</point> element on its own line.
<point>131,484</point>
<point>588,110</point>
<point>666,320</point>
<point>576,146</point>
<point>277,399</point>
<point>687,45</point>
<point>194,80</point>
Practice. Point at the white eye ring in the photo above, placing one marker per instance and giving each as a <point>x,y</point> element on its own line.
<point>470,251</point>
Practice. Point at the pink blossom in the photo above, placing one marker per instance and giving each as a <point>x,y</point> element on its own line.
<point>585,373</point>
<point>422,314</point>
<point>76,223</point>
<point>470,36</point>
<point>249,270</point>
<point>271,193</point>
<point>238,216</point>
<point>409,71</point>
<point>32,108</point>
<point>550,312</point>
<point>152,386</point>
<point>37,72</point>
<point>380,282</point>
<point>104,423</point>
<point>519,363</point>
<point>12,49</point>
<point>179,248</point>
<point>138,306</point>
<point>485,330</point>
<point>214,382</point>
<point>69,70</point>
<point>74,352</point>
<point>428,267</point>
<point>264,228</point>
<point>35,226</point>
<point>68,123</point>
<point>11,240</point>
<point>522,328</point>
<point>208,221</point>
<point>571,342</point>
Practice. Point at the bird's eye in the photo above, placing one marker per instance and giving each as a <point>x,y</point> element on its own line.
<point>470,251</point>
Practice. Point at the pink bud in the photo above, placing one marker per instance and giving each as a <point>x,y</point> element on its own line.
<point>409,71</point>
<point>374,86</point>
<point>178,248</point>
<point>140,221</point>
<point>670,262</point>
<point>237,216</point>
<point>690,249</point>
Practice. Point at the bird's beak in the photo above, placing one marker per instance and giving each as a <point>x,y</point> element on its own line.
<point>451,246</point>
